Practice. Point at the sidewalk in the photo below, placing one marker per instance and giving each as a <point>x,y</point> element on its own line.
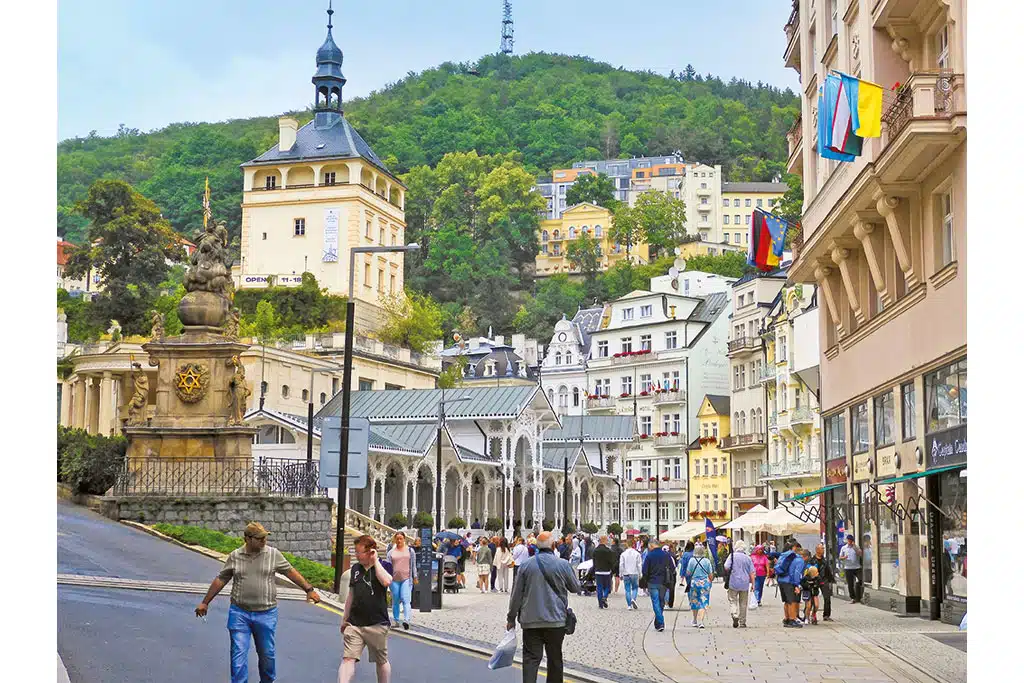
<point>860,645</point>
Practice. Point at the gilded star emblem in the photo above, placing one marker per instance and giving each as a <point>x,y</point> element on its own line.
<point>191,381</point>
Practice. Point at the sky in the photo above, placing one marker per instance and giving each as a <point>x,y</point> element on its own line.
<point>147,63</point>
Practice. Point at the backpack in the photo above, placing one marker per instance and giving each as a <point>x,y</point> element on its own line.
<point>783,568</point>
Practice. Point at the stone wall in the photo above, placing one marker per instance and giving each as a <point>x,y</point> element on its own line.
<point>301,526</point>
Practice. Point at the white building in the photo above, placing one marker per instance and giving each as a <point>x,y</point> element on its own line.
<point>698,185</point>
<point>652,350</point>
<point>752,298</point>
<point>563,372</point>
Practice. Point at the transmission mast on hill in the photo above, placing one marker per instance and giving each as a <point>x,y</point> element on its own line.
<point>507,29</point>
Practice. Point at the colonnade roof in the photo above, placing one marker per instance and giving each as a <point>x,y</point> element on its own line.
<point>422,405</point>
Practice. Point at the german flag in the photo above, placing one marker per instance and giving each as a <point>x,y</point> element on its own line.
<point>760,242</point>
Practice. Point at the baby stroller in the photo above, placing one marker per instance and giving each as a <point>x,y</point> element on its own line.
<point>450,575</point>
<point>585,573</point>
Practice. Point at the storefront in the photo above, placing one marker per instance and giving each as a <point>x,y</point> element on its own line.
<point>837,515</point>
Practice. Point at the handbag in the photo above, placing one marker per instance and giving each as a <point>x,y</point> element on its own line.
<point>570,616</point>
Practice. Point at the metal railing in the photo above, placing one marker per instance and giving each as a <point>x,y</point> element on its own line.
<point>901,110</point>
<point>801,416</point>
<point>669,440</point>
<point>737,440</point>
<point>647,485</point>
<point>773,420</point>
<point>742,343</point>
<point>748,491</point>
<point>671,396</point>
<point>803,466</point>
<point>634,356</point>
<point>768,372</point>
<point>795,134</point>
<point>220,476</point>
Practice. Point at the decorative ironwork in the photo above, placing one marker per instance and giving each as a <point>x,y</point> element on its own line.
<point>225,476</point>
<point>191,382</point>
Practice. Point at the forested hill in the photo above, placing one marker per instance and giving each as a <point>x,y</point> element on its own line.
<point>553,109</point>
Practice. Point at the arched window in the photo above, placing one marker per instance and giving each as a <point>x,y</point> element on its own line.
<point>544,236</point>
<point>263,388</point>
<point>597,231</point>
<point>575,397</point>
<point>558,358</point>
<point>563,397</point>
<point>568,357</point>
<point>323,398</point>
<point>305,395</point>
<point>555,234</point>
<point>743,422</point>
<point>284,391</point>
<point>585,230</point>
<point>572,232</point>
<point>551,396</point>
<point>736,423</point>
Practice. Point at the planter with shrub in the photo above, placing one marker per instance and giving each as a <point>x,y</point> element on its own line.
<point>423,520</point>
<point>398,521</point>
<point>590,527</point>
<point>456,523</point>
<point>492,524</point>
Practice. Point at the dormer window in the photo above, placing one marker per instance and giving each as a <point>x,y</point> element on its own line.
<point>558,358</point>
<point>490,369</point>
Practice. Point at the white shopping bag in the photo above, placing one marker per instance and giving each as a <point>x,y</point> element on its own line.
<point>505,652</point>
<point>752,602</point>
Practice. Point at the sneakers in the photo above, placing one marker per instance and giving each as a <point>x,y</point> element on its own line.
<point>633,604</point>
<point>700,625</point>
<point>659,629</point>
<point>405,625</point>
<point>735,622</point>
<point>743,625</point>
<point>694,624</point>
<point>814,621</point>
<point>826,618</point>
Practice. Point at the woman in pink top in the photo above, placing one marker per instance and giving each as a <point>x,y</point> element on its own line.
<point>403,576</point>
<point>760,561</point>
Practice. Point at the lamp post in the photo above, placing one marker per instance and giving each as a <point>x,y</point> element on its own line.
<point>565,479</point>
<point>346,398</point>
<point>437,472</point>
<point>657,505</point>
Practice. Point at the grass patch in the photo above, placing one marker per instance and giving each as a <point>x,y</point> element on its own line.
<point>317,574</point>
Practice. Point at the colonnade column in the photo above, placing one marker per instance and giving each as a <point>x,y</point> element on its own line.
<point>106,405</point>
<point>90,415</point>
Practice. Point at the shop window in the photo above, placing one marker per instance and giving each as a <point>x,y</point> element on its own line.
<point>835,437</point>
<point>945,393</point>
<point>859,427</point>
<point>953,524</point>
<point>868,513</point>
<point>909,408</point>
<point>888,547</point>
<point>885,420</point>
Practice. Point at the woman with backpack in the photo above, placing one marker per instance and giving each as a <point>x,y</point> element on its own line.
<point>700,572</point>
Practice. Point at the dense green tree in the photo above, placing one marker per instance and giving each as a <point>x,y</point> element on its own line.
<point>791,207</point>
<point>130,246</point>
<point>727,264</point>
<point>661,219</point>
<point>584,254</point>
<point>412,320</point>
<point>298,310</point>
<point>556,296</point>
<point>81,325</point>
<point>596,189</point>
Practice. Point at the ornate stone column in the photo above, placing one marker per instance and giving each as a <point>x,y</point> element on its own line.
<point>67,391</point>
<point>886,206</point>
<point>105,407</point>
<point>90,416</point>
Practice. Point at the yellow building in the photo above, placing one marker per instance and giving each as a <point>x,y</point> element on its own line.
<point>738,203</point>
<point>709,465</point>
<point>691,249</point>
<point>316,194</point>
<point>555,236</point>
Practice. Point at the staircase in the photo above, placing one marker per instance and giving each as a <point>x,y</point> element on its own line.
<point>357,524</point>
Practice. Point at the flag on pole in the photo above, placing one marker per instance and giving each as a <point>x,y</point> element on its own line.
<point>824,133</point>
<point>865,100</point>
<point>709,529</point>
<point>775,227</point>
<point>840,117</point>
<point>760,241</point>
<point>206,203</point>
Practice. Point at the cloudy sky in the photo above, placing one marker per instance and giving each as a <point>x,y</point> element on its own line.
<point>148,63</point>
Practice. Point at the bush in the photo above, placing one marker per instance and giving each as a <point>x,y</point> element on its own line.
<point>398,521</point>
<point>89,463</point>
<point>492,524</point>
<point>615,529</point>
<point>548,524</point>
<point>423,520</point>
<point>568,528</point>
<point>456,523</point>
<point>590,527</point>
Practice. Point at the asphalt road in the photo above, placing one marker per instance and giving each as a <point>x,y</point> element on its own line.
<point>115,635</point>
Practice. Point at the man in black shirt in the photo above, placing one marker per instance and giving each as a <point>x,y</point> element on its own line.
<point>365,622</point>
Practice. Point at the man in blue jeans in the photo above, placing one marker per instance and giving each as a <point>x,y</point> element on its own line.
<point>253,611</point>
<point>629,569</point>
<point>656,573</point>
<point>604,566</point>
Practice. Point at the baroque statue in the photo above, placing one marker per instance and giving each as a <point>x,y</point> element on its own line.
<point>208,284</point>
<point>157,332</point>
<point>239,391</point>
<point>232,324</point>
<point>140,398</point>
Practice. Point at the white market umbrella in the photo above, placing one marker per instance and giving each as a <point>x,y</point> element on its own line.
<point>784,522</point>
<point>684,532</point>
<point>748,520</point>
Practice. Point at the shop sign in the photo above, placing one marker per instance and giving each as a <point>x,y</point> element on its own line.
<point>862,467</point>
<point>836,471</point>
<point>947,448</point>
<point>249,281</point>
<point>886,462</point>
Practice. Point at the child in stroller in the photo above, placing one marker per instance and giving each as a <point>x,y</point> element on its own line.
<point>585,573</point>
<point>450,575</point>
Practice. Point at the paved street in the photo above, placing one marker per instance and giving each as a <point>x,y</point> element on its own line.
<point>857,646</point>
<point>110,635</point>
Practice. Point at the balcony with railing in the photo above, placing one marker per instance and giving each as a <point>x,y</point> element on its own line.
<point>768,373</point>
<point>629,357</point>
<point>801,416</point>
<point>748,492</point>
<point>669,396</point>
<point>670,439</point>
<point>737,441</point>
<point>600,403</point>
<point>773,421</point>
<point>791,57</point>
<point>666,484</point>
<point>744,344</point>
<point>801,467</point>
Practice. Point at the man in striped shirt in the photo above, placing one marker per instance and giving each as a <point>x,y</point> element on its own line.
<point>253,611</point>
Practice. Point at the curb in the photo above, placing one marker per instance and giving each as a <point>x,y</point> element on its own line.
<point>330,601</point>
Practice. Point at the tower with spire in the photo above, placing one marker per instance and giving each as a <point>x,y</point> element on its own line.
<point>318,192</point>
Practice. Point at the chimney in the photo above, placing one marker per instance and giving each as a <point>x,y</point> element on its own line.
<point>499,340</point>
<point>287,127</point>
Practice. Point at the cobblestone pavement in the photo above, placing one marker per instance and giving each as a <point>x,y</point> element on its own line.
<point>863,644</point>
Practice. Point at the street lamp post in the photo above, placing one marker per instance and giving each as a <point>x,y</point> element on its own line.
<point>657,505</point>
<point>346,399</point>
<point>437,472</point>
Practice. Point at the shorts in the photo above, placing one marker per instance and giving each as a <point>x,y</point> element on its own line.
<point>789,593</point>
<point>483,569</point>
<point>805,595</point>
<point>462,564</point>
<point>375,638</point>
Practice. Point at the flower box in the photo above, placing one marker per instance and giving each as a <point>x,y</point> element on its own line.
<point>664,478</point>
<point>639,479</point>
<point>645,393</point>
<point>645,436</point>
<point>624,394</point>
<point>653,479</point>
<point>674,434</point>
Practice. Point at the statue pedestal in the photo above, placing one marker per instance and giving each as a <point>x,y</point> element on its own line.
<point>193,400</point>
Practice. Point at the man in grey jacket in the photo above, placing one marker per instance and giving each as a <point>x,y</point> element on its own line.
<point>541,609</point>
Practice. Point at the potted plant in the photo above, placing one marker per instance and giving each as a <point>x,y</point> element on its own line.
<point>645,393</point>
<point>615,529</point>
<point>639,479</point>
<point>590,527</point>
<point>674,433</point>
<point>492,524</point>
<point>644,435</point>
<point>398,521</point>
<point>653,479</point>
<point>624,394</point>
<point>456,523</point>
<point>423,520</point>
<point>548,524</point>
<point>664,478</point>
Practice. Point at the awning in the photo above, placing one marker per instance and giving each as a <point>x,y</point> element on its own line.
<point>814,492</point>
<point>917,475</point>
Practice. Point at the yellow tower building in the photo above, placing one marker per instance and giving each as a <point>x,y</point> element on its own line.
<point>709,465</point>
